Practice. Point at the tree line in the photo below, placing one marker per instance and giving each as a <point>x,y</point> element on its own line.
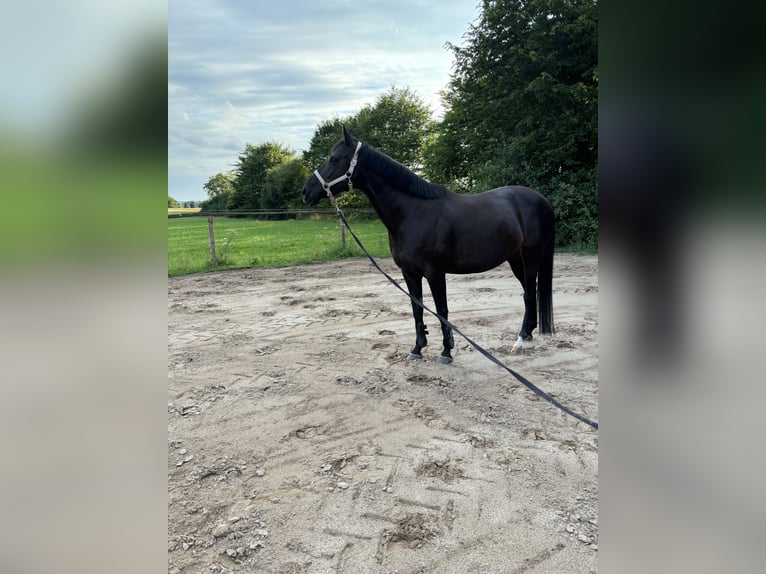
<point>520,108</point>
<point>172,202</point>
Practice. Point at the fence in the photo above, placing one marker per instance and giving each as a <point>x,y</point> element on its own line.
<point>269,213</point>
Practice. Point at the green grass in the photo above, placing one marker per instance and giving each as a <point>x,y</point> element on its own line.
<point>244,243</point>
<point>183,210</point>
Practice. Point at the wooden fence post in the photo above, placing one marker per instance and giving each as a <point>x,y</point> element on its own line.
<point>212,239</point>
<point>342,233</point>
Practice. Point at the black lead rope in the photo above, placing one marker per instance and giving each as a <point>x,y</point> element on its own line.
<point>523,380</point>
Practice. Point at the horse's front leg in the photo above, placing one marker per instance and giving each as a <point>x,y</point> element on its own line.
<point>438,284</point>
<point>415,287</point>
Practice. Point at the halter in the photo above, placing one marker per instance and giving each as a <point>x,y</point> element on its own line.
<point>347,176</point>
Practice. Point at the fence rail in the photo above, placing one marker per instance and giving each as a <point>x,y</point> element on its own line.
<point>266,212</point>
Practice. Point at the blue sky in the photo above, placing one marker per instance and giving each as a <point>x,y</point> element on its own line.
<point>251,72</point>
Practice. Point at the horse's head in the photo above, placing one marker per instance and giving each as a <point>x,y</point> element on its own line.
<point>334,176</point>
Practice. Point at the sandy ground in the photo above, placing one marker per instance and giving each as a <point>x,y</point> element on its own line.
<point>300,440</point>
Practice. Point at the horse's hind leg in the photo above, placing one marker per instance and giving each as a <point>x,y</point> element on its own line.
<point>437,281</point>
<point>525,264</point>
<point>415,287</point>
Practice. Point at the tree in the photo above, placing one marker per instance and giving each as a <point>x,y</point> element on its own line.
<point>219,189</point>
<point>283,185</point>
<point>398,124</point>
<point>522,100</point>
<point>326,134</point>
<point>172,202</point>
<point>250,173</point>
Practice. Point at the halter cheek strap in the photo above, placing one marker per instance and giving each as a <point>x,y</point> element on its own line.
<point>326,185</point>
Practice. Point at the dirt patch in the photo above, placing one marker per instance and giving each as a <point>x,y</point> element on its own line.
<point>300,439</point>
<point>446,470</point>
<point>413,530</point>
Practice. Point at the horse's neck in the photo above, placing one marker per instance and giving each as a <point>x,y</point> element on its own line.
<point>390,204</point>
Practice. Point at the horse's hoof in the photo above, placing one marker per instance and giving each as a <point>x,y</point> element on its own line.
<point>444,360</point>
<point>414,357</point>
<point>517,350</point>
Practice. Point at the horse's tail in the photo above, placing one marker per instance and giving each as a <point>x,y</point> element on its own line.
<point>545,289</point>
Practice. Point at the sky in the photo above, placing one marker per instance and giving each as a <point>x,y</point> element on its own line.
<point>244,72</point>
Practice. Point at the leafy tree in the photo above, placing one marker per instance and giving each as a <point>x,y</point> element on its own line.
<point>172,202</point>
<point>325,135</point>
<point>574,197</point>
<point>399,124</point>
<point>219,189</point>
<point>445,155</point>
<point>250,173</point>
<point>522,103</point>
<point>283,184</point>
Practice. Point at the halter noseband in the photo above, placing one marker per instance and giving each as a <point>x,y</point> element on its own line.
<point>347,176</point>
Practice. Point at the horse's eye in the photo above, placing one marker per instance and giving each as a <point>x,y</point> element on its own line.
<point>333,159</point>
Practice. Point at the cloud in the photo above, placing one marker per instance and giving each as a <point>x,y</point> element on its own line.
<point>255,72</point>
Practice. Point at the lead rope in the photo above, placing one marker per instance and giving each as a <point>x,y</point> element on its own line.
<point>523,380</point>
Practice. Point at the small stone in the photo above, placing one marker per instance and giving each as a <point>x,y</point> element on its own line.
<point>180,463</point>
<point>260,472</point>
<point>570,528</point>
<point>343,485</point>
<point>186,545</point>
<point>583,538</point>
<point>220,530</point>
<point>574,518</point>
<point>231,553</point>
<point>262,532</point>
<point>188,458</point>
<point>182,451</point>
<point>234,519</point>
<point>594,546</point>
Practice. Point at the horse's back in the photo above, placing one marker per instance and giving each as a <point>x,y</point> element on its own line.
<point>531,207</point>
<point>515,201</point>
<point>514,213</point>
<point>523,197</point>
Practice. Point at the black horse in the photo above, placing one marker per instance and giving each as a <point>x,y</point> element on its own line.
<point>433,231</point>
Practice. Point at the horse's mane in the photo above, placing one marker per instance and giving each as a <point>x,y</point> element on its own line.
<point>401,177</point>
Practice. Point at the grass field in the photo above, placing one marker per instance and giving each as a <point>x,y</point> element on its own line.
<point>183,210</point>
<point>244,242</point>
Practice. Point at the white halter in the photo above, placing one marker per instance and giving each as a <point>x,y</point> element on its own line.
<point>347,176</point>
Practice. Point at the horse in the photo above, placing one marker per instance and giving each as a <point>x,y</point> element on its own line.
<point>433,231</point>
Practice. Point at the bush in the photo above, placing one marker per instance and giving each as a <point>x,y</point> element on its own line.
<point>574,198</point>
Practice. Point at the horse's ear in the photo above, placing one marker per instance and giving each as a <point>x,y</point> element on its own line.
<point>348,135</point>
